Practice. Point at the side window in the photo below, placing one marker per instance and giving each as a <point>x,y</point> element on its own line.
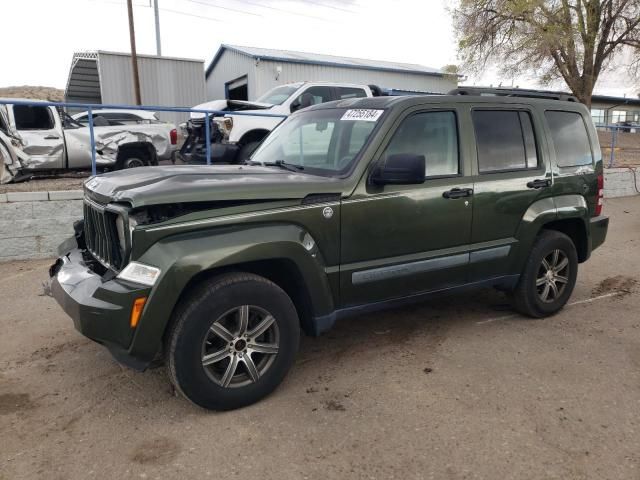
<point>32,117</point>
<point>570,139</point>
<point>504,140</point>
<point>347,92</point>
<point>320,94</point>
<point>432,134</point>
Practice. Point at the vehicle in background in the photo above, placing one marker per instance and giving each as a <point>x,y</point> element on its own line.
<point>235,137</point>
<point>45,139</point>
<point>118,117</point>
<point>345,208</point>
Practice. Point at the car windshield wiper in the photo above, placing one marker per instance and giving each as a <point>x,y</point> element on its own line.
<point>278,163</point>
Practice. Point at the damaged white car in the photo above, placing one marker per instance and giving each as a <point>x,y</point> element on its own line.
<point>43,140</point>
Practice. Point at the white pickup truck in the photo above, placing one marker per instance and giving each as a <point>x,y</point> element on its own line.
<point>235,137</point>
<point>45,140</point>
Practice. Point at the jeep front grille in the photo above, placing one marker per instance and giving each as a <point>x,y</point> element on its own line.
<point>101,235</point>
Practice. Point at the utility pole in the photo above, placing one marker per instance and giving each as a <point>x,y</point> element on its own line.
<point>156,12</point>
<point>134,55</point>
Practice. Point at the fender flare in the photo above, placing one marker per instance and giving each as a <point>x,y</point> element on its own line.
<point>182,257</point>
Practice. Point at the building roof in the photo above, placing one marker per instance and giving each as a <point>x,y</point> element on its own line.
<point>288,56</point>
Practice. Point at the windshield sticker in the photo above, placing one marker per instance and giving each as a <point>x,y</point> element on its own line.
<point>364,115</point>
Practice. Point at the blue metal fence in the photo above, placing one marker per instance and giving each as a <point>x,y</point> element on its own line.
<point>621,144</point>
<point>90,107</point>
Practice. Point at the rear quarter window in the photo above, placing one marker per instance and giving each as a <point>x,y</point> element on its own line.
<point>570,138</point>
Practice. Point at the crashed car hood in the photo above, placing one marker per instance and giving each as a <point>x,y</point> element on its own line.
<point>230,106</point>
<point>185,183</point>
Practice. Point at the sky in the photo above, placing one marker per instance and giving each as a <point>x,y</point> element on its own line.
<point>45,33</point>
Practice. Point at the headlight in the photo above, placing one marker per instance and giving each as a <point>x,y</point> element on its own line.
<point>225,124</point>
<point>140,273</point>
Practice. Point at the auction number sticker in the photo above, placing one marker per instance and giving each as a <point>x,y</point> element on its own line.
<point>364,115</point>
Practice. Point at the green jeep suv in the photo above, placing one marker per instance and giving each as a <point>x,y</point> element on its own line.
<point>346,207</point>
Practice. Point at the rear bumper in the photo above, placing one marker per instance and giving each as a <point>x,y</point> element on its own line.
<point>100,309</point>
<point>598,227</point>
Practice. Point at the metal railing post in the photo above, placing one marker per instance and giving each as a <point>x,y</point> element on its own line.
<point>92,139</point>
<point>614,134</point>
<point>207,134</point>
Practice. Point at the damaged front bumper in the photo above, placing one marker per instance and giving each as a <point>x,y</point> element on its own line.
<point>99,305</point>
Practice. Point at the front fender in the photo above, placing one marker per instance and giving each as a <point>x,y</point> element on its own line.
<point>183,256</point>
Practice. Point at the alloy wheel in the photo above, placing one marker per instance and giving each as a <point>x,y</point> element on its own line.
<point>553,276</point>
<point>240,346</point>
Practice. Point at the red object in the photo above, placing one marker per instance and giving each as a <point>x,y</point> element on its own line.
<point>173,134</point>
<point>600,195</point>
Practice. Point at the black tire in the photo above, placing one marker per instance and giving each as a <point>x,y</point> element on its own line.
<point>186,347</point>
<point>131,161</point>
<point>528,296</point>
<point>246,150</point>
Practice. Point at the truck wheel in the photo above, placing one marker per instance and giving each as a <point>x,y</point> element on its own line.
<point>246,151</point>
<point>133,162</point>
<point>233,341</point>
<point>549,276</point>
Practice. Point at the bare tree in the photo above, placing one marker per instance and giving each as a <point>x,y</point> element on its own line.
<point>575,40</point>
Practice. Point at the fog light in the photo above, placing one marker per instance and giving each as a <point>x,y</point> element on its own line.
<point>140,273</point>
<point>136,310</point>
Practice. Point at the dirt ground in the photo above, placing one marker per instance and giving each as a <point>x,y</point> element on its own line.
<point>459,388</point>
<point>627,148</point>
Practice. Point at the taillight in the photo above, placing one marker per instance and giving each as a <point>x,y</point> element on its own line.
<point>173,134</point>
<point>600,195</point>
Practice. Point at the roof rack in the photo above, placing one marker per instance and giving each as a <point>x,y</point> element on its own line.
<point>513,92</point>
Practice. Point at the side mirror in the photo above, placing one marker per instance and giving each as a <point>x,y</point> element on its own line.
<point>400,169</point>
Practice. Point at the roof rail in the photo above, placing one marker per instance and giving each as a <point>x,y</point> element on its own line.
<point>513,92</point>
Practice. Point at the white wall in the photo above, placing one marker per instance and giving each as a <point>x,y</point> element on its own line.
<point>166,82</point>
<point>231,65</point>
<point>294,72</point>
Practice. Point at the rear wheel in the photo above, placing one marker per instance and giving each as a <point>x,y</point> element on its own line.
<point>233,341</point>
<point>549,276</point>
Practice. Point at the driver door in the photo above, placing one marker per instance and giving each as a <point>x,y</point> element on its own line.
<point>402,240</point>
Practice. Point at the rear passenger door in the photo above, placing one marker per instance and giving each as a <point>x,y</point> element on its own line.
<point>41,129</point>
<point>511,174</point>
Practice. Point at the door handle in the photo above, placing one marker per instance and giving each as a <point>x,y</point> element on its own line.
<point>458,193</point>
<point>51,137</point>
<point>539,183</point>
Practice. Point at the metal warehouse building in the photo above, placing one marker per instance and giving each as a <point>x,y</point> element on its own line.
<point>106,77</point>
<point>245,73</point>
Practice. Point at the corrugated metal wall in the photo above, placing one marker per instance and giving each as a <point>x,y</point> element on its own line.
<point>263,76</point>
<point>294,72</point>
<point>163,81</point>
<point>231,65</point>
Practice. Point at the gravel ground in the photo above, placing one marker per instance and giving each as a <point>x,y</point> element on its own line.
<point>457,388</point>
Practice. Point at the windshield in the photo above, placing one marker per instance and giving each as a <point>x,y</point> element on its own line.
<point>324,142</point>
<point>278,95</point>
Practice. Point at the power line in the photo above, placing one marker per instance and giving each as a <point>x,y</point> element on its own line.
<point>169,10</point>
<point>288,12</point>
<point>328,6</point>
<point>244,12</point>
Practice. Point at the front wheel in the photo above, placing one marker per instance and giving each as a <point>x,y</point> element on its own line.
<point>233,341</point>
<point>549,276</point>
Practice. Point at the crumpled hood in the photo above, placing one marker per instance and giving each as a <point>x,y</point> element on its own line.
<point>186,183</point>
<point>230,106</point>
